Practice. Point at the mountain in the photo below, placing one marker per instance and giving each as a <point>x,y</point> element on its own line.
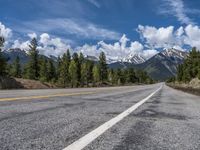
<point>12,54</point>
<point>130,59</point>
<point>92,58</point>
<point>135,59</point>
<point>160,67</point>
<point>164,64</point>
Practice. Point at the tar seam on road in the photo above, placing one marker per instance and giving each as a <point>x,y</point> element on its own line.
<point>91,136</point>
<point>45,96</point>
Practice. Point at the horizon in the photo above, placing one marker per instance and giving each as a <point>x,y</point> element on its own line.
<point>117,28</point>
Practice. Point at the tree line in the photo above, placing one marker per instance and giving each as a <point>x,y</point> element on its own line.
<point>190,68</point>
<point>70,70</point>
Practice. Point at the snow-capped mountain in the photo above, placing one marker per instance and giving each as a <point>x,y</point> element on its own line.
<point>12,54</point>
<point>174,54</point>
<point>164,64</point>
<point>92,58</point>
<point>135,59</point>
<point>160,67</point>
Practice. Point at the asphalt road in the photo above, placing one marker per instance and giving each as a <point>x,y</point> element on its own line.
<point>53,119</point>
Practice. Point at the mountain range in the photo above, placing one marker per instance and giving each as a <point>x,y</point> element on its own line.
<point>160,67</point>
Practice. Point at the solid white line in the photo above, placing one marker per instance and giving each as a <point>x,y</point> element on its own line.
<point>88,138</point>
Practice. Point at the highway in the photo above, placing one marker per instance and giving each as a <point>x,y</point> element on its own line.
<point>115,118</point>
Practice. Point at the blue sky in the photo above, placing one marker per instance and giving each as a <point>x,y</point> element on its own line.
<point>120,26</point>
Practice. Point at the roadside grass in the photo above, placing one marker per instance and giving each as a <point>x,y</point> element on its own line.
<point>188,89</point>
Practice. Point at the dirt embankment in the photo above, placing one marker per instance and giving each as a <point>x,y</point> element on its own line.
<point>192,87</point>
<point>17,83</point>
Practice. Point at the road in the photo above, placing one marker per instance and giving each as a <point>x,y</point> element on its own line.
<point>148,117</point>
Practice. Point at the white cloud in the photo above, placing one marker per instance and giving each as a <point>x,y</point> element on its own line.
<point>52,46</point>
<point>168,37</point>
<point>157,37</point>
<point>153,38</point>
<point>177,8</point>
<point>136,47</point>
<point>90,50</point>
<point>192,36</point>
<point>120,50</point>
<point>21,45</point>
<point>149,53</point>
<point>180,31</point>
<point>95,3</point>
<point>78,28</point>
<point>4,31</point>
<point>44,38</point>
<point>32,35</point>
<point>46,45</point>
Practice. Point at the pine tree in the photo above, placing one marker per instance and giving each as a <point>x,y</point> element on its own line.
<point>2,59</point>
<point>103,67</point>
<point>73,74</point>
<point>199,73</point>
<point>96,74</point>
<point>79,66</point>
<point>84,74</point>
<point>118,76</point>
<point>90,65</point>
<point>190,68</point>
<point>180,73</point>
<point>111,76</point>
<point>43,70</point>
<point>51,71</point>
<point>123,76</point>
<point>131,76</point>
<point>16,68</point>
<point>33,64</point>
<point>58,66</point>
<point>77,61</point>
<point>64,76</point>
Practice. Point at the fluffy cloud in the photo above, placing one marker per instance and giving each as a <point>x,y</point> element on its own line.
<point>157,37</point>
<point>120,49</point>
<point>47,45</point>
<point>32,35</point>
<point>5,32</point>
<point>52,46</point>
<point>192,37</point>
<point>152,38</point>
<point>168,37</point>
<point>117,51</point>
<point>21,45</point>
<point>90,50</point>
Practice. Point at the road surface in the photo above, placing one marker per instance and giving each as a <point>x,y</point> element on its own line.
<point>117,118</point>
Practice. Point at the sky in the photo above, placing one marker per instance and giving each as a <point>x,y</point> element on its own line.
<point>120,28</point>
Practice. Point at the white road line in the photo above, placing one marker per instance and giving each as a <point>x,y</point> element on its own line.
<point>88,138</point>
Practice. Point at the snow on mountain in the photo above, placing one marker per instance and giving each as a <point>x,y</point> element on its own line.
<point>11,55</point>
<point>174,53</point>
<point>164,64</point>
<point>135,59</point>
<point>92,58</point>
